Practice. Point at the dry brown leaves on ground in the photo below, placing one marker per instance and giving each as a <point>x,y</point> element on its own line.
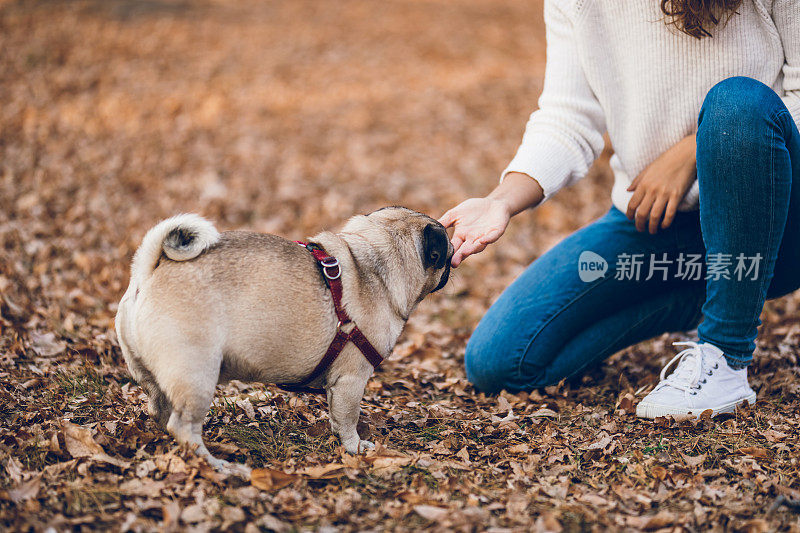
<point>288,117</point>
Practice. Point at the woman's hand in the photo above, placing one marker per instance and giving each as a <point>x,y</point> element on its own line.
<point>659,189</point>
<point>478,222</point>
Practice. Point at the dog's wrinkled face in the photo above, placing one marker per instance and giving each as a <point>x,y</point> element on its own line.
<point>436,251</point>
<point>422,237</point>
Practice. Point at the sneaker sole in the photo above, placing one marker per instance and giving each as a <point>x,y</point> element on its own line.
<point>651,410</point>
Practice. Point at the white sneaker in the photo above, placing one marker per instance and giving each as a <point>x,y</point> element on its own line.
<point>702,380</point>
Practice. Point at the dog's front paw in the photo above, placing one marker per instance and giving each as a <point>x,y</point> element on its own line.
<point>238,470</point>
<point>358,446</point>
<point>227,468</point>
<point>365,445</point>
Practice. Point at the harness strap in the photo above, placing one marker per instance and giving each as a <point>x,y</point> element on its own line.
<point>363,344</point>
<point>333,277</point>
<point>332,272</point>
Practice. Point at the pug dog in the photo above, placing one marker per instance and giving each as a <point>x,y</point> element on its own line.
<point>205,307</point>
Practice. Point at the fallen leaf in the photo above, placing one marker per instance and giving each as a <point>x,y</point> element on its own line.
<point>660,520</point>
<point>432,513</point>
<point>142,487</point>
<point>463,454</point>
<point>519,448</point>
<point>508,419</point>
<point>193,514</point>
<point>754,451</point>
<point>601,444</point>
<point>693,461</point>
<point>391,464</point>
<point>273,523</point>
<point>548,523</point>
<point>773,436</point>
<point>80,443</point>
<point>659,472</point>
<point>46,344</point>
<point>25,491</point>
<point>326,471</point>
<point>626,402</point>
<point>269,479</point>
<point>544,412</point>
<point>756,525</point>
<point>172,513</point>
<point>14,469</point>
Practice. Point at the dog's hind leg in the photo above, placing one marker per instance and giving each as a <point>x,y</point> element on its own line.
<point>158,403</point>
<point>344,404</point>
<point>191,394</point>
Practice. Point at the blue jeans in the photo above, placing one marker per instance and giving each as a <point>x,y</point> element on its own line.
<point>564,315</point>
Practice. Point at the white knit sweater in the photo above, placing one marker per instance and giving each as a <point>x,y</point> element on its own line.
<point>616,65</point>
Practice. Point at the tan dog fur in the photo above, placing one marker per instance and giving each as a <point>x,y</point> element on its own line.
<point>204,307</point>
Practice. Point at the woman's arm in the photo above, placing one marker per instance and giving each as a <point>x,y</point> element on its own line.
<point>518,192</point>
<point>565,135</point>
<point>562,139</point>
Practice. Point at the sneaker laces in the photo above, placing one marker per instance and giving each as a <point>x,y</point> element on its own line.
<point>686,376</point>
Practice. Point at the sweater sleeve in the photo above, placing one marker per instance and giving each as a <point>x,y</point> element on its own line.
<point>786,15</point>
<point>565,135</point>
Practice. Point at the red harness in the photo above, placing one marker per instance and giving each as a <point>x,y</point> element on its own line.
<point>333,279</point>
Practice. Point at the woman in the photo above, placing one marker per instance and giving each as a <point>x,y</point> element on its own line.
<point>701,100</point>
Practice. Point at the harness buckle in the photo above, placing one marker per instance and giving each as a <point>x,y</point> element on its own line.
<point>328,263</point>
<point>345,327</point>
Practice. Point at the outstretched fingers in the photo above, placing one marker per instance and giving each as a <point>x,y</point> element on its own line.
<point>448,219</point>
<point>468,248</point>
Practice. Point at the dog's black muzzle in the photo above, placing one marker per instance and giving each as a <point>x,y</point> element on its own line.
<point>445,277</point>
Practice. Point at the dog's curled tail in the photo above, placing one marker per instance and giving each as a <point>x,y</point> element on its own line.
<point>180,238</point>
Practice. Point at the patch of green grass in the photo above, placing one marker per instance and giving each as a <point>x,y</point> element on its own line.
<point>86,381</point>
<point>658,444</point>
<point>277,440</point>
<point>260,445</point>
<point>223,406</point>
<point>83,500</point>
<point>33,456</point>
<point>654,449</point>
<point>428,433</point>
<point>81,390</point>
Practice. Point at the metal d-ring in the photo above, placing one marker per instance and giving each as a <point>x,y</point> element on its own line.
<point>331,262</point>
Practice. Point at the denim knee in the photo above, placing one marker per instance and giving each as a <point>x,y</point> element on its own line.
<point>499,348</point>
<point>735,116</point>
<point>488,362</point>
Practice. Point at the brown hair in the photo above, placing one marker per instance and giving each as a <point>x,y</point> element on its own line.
<point>697,17</point>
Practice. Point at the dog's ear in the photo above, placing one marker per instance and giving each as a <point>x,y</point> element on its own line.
<point>434,246</point>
